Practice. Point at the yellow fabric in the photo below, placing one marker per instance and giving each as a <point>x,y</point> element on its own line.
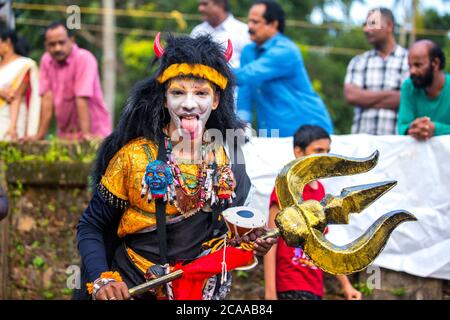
<point>16,83</point>
<point>247,246</point>
<point>140,262</point>
<point>143,265</point>
<point>197,70</point>
<point>221,156</point>
<point>13,76</point>
<point>123,178</point>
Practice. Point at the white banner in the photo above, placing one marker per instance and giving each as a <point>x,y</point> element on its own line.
<point>422,169</point>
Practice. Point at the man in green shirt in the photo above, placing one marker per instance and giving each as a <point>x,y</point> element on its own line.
<point>425,97</point>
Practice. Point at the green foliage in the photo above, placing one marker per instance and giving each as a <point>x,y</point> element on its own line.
<point>18,190</point>
<point>399,292</point>
<point>38,262</point>
<point>51,207</point>
<point>57,152</point>
<point>20,249</point>
<point>242,274</point>
<point>36,244</point>
<point>136,53</point>
<point>44,222</point>
<point>363,288</point>
<point>48,295</point>
<point>8,153</point>
<point>66,291</point>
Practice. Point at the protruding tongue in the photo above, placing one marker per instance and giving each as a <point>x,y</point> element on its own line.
<point>191,126</point>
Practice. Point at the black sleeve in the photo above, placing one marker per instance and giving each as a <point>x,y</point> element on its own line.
<point>97,235</point>
<point>243,184</point>
<point>3,204</point>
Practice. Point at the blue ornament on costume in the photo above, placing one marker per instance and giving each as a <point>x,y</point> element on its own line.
<point>158,178</point>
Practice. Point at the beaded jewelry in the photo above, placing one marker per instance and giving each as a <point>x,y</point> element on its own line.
<point>189,193</point>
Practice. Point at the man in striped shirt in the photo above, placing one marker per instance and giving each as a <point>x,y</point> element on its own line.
<point>374,78</point>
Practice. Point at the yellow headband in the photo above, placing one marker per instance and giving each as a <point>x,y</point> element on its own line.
<point>196,70</point>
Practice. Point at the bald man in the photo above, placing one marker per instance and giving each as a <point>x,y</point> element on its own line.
<point>425,96</point>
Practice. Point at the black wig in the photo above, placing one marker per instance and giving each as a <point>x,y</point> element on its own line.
<point>144,114</point>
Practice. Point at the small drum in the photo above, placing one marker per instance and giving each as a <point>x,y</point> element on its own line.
<point>242,220</point>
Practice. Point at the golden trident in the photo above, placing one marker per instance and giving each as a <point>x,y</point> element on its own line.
<point>301,223</point>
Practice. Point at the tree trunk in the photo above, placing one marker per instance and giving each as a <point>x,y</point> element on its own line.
<point>414,7</point>
<point>109,55</point>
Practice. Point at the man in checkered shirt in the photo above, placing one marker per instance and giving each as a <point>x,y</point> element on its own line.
<point>374,78</point>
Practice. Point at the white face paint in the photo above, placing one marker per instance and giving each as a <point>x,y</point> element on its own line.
<point>190,102</point>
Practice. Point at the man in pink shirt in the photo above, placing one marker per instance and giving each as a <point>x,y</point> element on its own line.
<point>70,83</point>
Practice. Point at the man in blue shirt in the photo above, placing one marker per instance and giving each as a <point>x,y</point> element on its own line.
<point>273,77</point>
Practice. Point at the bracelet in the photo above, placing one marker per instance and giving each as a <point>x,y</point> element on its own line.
<point>98,284</point>
<point>105,278</point>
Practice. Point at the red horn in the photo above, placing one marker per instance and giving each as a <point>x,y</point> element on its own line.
<point>159,50</point>
<point>229,52</point>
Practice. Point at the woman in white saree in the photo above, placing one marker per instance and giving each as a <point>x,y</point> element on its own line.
<point>19,92</point>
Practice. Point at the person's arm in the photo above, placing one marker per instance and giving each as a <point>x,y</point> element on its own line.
<point>355,95</point>
<point>85,78</point>
<point>95,230</point>
<point>17,96</point>
<point>46,94</point>
<point>3,204</point>
<point>244,95</point>
<point>244,104</point>
<point>46,116</point>
<point>406,112</point>
<point>350,293</point>
<point>91,229</point>
<point>84,118</point>
<point>441,128</point>
<point>270,262</point>
<point>276,62</point>
<point>12,129</point>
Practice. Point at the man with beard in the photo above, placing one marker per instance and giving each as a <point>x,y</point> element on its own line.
<point>374,78</point>
<point>425,97</point>
<point>273,77</point>
<point>161,182</point>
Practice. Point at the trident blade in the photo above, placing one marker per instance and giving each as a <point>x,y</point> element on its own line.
<point>301,223</point>
<point>358,254</point>
<point>353,200</point>
<point>298,173</point>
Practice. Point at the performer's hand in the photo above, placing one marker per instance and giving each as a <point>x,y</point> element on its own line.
<point>113,291</point>
<point>261,247</point>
